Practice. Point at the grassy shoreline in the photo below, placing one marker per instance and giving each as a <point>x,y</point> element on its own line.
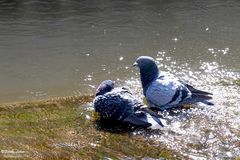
<point>63,128</point>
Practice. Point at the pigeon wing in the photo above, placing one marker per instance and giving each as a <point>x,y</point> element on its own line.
<point>135,120</point>
<point>112,106</point>
<point>160,92</point>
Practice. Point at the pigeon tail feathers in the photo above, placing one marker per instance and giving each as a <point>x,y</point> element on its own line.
<point>194,90</point>
<point>195,98</point>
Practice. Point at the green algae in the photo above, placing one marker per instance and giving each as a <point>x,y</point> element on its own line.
<point>64,128</point>
<point>235,82</point>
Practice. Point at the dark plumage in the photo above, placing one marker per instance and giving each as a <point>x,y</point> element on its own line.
<point>164,91</point>
<point>119,104</point>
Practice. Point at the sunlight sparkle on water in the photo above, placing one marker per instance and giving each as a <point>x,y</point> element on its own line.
<point>201,132</point>
<point>219,51</point>
<point>121,58</point>
<point>175,39</point>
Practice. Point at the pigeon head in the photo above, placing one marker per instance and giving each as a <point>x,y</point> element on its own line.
<point>104,87</point>
<point>148,69</point>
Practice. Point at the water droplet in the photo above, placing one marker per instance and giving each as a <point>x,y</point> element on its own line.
<point>121,58</point>
<point>210,49</point>
<point>175,39</point>
<point>104,31</point>
<point>225,51</point>
<point>229,154</point>
<point>88,78</point>
<point>88,117</point>
<point>92,86</point>
<point>93,144</point>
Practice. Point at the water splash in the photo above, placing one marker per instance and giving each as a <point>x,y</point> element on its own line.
<point>202,132</point>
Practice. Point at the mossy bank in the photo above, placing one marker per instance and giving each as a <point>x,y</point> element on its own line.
<point>64,128</point>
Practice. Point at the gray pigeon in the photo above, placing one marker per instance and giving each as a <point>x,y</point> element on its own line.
<point>119,104</point>
<point>164,91</point>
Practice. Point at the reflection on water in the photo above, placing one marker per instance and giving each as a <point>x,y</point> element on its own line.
<point>58,48</point>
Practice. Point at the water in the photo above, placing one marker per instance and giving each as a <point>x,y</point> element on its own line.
<point>57,48</point>
<point>203,132</point>
<point>62,48</point>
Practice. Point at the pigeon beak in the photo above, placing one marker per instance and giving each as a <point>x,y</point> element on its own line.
<point>135,64</point>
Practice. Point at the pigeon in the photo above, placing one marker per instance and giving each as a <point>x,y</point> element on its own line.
<point>164,91</point>
<point>119,104</point>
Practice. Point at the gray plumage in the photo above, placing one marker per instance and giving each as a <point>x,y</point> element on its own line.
<point>164,91</point>
<point>119,104</point>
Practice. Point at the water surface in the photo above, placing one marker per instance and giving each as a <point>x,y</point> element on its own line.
<point>62,48</point>
<point>56,48</point>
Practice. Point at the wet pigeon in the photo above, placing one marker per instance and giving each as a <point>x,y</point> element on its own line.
<point>164,91</point>
<point>119,104</point>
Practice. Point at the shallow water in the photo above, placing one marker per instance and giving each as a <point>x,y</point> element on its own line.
<point>50,49</point>
<point>203,132</point>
